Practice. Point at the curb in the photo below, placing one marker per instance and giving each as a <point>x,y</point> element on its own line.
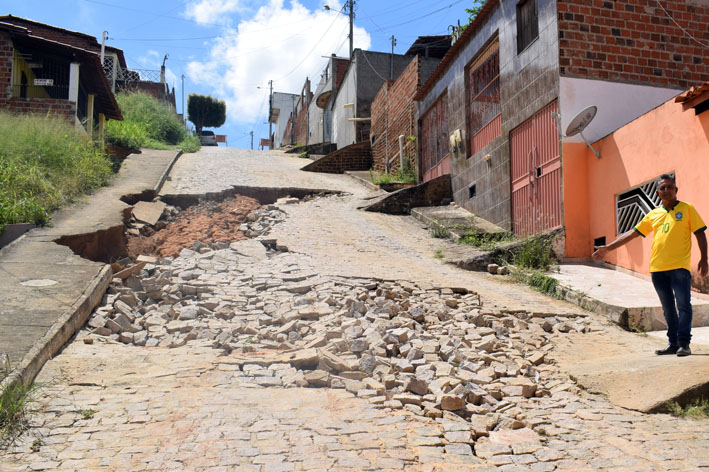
<point>366,183</point>
<point>164,175</point>
<point>60,332</point>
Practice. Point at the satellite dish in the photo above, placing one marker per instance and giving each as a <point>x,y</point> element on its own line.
<point>580,122</point>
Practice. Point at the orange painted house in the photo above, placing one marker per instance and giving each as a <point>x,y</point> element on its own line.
<point>604,196</point>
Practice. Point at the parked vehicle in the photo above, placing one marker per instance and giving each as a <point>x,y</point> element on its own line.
<point>208,139</point>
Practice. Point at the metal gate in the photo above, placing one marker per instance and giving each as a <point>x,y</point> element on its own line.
<point>435,158</point>
<point>536,173</point>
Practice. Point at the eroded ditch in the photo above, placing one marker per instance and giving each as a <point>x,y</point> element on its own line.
<point>111,244</point>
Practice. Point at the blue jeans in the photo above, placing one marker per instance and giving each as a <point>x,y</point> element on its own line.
<point>674,285</point>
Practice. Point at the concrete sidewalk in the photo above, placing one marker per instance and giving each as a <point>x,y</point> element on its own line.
<point>628,300</point>
<point>46,290</point>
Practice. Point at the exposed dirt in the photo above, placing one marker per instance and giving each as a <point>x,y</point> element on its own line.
<point>208,223</point>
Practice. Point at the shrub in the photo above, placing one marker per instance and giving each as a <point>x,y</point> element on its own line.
<point>534,252</point>
<point>486,241</point>
<point>157,121</point>
<point>190,144</point>
<point>45,163</point>
<point>126,133</point>
<point>697,409</point>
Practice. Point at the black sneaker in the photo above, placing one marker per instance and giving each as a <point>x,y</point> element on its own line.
<point>684,351</point>
<point>670,349</point>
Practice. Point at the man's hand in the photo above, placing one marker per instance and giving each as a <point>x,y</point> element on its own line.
<point>600,253</point>
<point>703,267</point>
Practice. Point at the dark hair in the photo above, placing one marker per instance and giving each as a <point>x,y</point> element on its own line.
<point>667,177</point>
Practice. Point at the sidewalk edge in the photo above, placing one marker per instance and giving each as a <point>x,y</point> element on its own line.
<point>60,332</point>
<point>166,172</point>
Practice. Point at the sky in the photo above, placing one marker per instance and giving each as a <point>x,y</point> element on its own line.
<point>231,49</point>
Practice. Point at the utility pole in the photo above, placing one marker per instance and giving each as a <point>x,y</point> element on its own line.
<point>270,112</point>
<point>104,37</point>
<point>252,140</point>
<point>393,43</point>
<point>184,112</point>
<point>351,3</point>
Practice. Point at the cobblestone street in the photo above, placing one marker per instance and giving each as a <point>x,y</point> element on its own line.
<point>333,341</point>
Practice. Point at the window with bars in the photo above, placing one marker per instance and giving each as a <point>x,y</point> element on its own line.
<point>634,204</point>
<point>527,24</point>
<point>483,84</point>
<point>37,75</point>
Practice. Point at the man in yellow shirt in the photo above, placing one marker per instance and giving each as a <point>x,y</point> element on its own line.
<point>673,224</point>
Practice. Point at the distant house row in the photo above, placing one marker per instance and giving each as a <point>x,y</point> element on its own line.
<point>49,70</point>
<point>495,110</point>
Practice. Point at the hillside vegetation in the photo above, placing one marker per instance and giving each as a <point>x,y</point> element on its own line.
<point>45,163</point>
<point>148,123</point>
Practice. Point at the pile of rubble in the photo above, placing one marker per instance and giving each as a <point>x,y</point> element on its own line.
<point>158,229</point>
<point>398,344</point>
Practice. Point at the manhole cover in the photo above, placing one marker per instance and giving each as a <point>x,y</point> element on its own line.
<point>39,283</point>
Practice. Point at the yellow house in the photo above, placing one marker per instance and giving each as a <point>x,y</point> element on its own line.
<point>49,70</point>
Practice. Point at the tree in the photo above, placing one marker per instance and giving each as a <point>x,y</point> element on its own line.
<point>203,110</point>
<point>473,12</point>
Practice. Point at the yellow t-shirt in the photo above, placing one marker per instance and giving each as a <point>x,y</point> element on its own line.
<point>672,241</point>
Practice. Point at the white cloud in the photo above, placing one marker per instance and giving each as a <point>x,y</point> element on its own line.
<point>279,43</point>
<point>210,11</point>
<point>150,60</point>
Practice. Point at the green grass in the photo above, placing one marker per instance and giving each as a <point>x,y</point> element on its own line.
<point>405,175</point>
<point>148,123</point>
<point>15,407</point>
<point>438,254</point>
<point>440,231</point>
<point>534,252</point>
<point>486,241</point>
<point>87,413</point>
<point>45,163</point>
<point>698,409</point>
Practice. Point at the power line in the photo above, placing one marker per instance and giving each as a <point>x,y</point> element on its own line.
<point>425,15</point>
<point>317,43</point>
<point>704,45</point>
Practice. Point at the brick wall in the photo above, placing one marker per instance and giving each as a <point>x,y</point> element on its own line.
<point>356,156</point>
<point>393,115</point>
<point>634,41</point>
<point>301,123</point>
<point>6,51</point>
<point>44,106</point>
<point>287,138</point>
<point>379,126</point>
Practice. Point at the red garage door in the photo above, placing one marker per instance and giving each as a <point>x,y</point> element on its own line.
<point>536,173</point>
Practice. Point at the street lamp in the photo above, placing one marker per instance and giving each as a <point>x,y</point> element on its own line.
<point>350,4</point>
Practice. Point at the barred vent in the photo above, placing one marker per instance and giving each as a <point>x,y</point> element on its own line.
<point>634,204</point>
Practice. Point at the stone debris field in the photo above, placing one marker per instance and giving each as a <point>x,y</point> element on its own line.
<point>243,356</point>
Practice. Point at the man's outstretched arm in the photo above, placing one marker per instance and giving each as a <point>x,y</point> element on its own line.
<point>602,251</point>
<point>703,267</point>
